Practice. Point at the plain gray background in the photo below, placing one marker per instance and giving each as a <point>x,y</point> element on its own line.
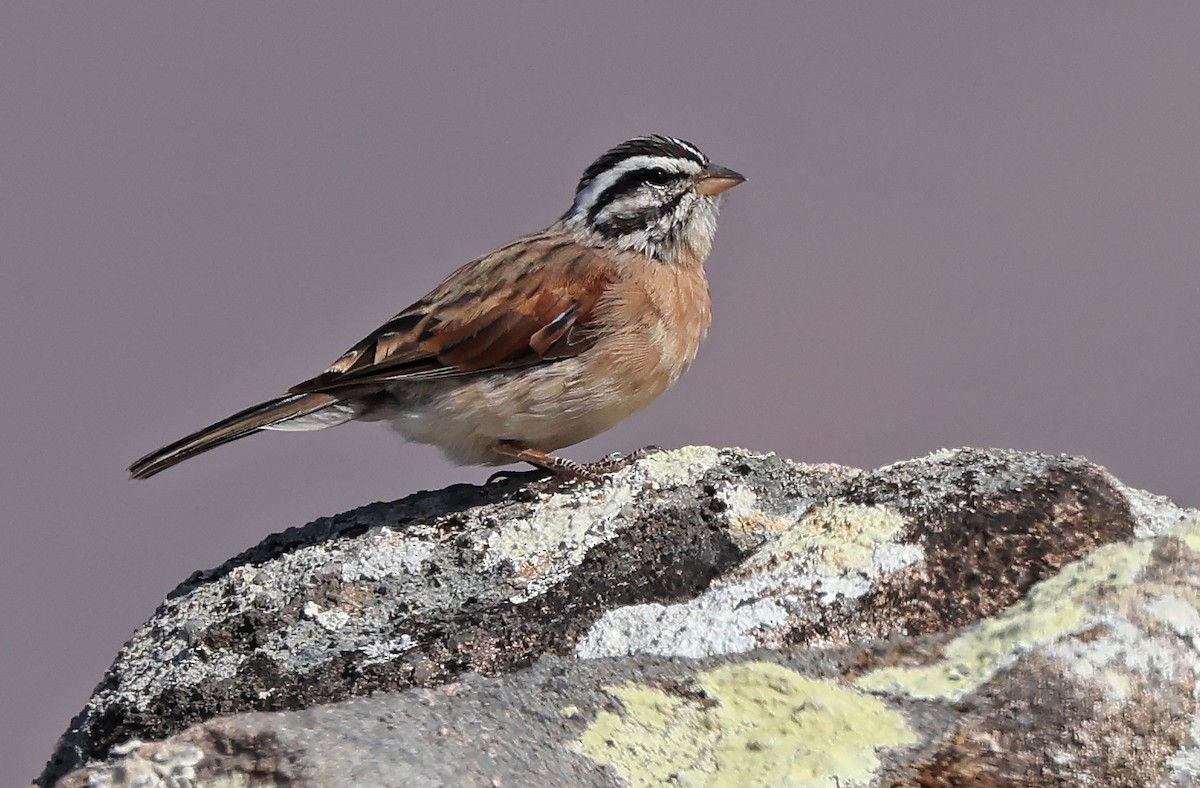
<point>965,224</point>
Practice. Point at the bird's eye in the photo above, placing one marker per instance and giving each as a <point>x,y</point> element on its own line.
<point>658,177</point>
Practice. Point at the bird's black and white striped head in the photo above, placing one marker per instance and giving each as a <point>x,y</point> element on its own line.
<point>654,195</point>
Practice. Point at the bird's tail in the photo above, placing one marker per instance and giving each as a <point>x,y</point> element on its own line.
<point>265,415</point>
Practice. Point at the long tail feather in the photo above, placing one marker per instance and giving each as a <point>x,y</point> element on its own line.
<point>260,417</point>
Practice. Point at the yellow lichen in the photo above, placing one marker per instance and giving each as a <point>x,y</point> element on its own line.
<point>761,724</point>
<point>1053,607</point>
<point>1188,532</point>
<point>837,536</point>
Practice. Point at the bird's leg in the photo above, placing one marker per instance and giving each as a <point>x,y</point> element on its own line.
<point>615,462</point>
<point>566,468</point>
<point>559,466</point>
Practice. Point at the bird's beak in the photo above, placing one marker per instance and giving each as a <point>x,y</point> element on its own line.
<point>713,180</point>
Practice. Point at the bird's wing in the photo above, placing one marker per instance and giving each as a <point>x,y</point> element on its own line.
<point>527,303</point>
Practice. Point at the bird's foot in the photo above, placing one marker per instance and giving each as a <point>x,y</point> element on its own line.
<point>617,460</point>
<point>566,468</point>
<point>510,475</point>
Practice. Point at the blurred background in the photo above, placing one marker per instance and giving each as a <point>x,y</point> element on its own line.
<point>965,224</point>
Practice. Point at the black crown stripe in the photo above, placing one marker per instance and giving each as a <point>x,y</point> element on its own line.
<point>654,145</point>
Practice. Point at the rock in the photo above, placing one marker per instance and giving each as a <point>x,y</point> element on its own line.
<point>966,618</point>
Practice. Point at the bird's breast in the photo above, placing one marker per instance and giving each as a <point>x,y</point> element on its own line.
<point>651,327</point>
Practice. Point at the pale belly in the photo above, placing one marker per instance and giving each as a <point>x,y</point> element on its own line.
<point>543,408</point>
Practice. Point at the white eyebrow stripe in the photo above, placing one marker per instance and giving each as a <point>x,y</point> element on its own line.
<point>587,198</point>
<point>688,146</point>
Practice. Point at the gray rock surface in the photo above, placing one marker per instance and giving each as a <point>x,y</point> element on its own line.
<point>705,617</point>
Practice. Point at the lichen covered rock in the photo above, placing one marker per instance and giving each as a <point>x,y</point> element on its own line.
<point>705,616</point>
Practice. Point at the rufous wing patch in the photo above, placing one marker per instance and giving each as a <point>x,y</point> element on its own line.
<point>485,321</point>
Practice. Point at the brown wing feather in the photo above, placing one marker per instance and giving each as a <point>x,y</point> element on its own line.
<point>493,313</point>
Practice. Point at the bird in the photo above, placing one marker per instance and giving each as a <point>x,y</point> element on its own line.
<point>545,342</point>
